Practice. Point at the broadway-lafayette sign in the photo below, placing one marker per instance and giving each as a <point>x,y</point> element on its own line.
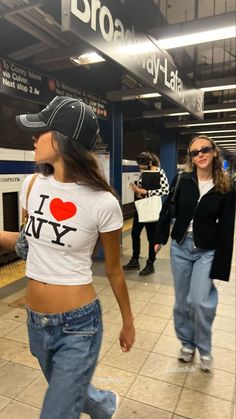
<point>104,25</point>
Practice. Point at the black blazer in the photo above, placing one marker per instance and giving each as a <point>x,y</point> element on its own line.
<point>213,222</point>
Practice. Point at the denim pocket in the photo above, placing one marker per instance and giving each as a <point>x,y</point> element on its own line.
<point>73,330</point>
<point>82,327</point>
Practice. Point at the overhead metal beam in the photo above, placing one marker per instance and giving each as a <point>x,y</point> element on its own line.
<point>118,95</point>
<point>32,5</point>
<point>166,112</point>
<point>179,124</point>
<point>32,30</point>
<point>23,53</point>
<point>58,54</point>
<point>221,81</point>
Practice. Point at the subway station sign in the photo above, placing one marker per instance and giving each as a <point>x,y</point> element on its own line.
<point>19,81</point>
<point>104,24</point>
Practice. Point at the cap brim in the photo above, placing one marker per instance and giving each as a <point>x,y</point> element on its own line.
<point>31,122</point>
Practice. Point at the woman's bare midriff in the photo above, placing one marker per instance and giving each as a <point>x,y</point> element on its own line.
<point>48,298</point>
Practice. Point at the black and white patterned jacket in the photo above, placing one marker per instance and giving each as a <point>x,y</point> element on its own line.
<point>162,184</point>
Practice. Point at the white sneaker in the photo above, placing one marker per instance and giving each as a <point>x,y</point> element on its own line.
<point>117,404</point>
<point>186,354</point>
<point>206,362</point>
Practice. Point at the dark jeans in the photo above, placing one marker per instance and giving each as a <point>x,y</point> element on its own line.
<point>135,234</point>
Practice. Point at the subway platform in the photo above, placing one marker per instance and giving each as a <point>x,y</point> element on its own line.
<point>151,382</point>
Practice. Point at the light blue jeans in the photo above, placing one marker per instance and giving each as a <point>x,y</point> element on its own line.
<point>195,294</point>
<point>67,347</point>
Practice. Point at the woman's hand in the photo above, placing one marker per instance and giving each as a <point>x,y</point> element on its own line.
<point>157,247</point>
<point>127,337</point>
<point>138,190</point>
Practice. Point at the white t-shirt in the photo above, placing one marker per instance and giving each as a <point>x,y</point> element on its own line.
<point>64,223</point>
<point>204,186</point>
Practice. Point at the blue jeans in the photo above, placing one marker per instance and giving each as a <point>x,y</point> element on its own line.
<point>67,347</point>
<point>195,294</point>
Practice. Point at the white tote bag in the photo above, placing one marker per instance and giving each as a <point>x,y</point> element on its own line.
<point>148,209</point>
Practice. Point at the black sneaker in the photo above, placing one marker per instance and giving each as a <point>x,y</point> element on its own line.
<point>133,264</point>
<point>149,269</point>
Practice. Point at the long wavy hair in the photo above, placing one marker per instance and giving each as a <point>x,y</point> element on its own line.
<point>220,177</point>
<point>81,165</point>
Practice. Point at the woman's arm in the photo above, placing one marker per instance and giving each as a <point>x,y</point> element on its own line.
<point>115,274</point>
<point>8,239</point>
<point>221,264</point>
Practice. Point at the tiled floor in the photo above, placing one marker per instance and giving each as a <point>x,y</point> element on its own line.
<point>151,382</point>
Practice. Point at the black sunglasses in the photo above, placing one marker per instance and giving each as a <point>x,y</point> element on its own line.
<point>203,150</point>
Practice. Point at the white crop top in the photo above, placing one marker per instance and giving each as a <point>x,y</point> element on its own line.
<point>64,222</point>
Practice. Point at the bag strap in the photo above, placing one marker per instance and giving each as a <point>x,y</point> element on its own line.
<point>173,197</point>
<point>25,210</point>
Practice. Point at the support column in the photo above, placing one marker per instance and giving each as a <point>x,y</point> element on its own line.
<point>112,134</point>
<point>169,153</point>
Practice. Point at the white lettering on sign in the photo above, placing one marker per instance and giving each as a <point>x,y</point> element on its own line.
<point>18,78</point>
<point>145,53</point>
<point>19,70</point>
<point>110,29</point>
<point>94,13</point>
<point>8,83</point>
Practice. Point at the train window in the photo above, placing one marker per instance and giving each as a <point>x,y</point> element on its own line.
<point>10,211</point>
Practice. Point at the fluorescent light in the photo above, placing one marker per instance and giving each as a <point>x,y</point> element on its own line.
<point>207,123</point>
<point>205,111</point>
<point>220,110</point>
<point>177,114</point>
<point>143,96</point>
<point>225,141</point>
<point>223,136</point>
<point>197,38</point>
<point>215,131</point>
<point>227,146</point>
<point>89,58</point>
<point>215,88</point>
<point>147,95</point>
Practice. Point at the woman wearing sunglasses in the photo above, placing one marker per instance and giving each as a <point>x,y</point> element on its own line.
<point>201,247</point>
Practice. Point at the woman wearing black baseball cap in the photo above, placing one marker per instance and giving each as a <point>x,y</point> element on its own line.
<point>69,207</point>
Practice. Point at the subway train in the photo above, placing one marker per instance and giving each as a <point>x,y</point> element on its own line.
<point>15,165</point>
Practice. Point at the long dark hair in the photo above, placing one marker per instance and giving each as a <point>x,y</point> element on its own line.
<point>80,165</point>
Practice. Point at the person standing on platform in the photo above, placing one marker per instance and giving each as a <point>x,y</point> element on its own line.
<point>201,246</point>
<point>147,162</point>
<point>69,207</point>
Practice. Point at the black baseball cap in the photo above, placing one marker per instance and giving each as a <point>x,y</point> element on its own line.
<point>70,116</point>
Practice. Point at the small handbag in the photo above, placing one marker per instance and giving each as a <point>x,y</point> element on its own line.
<point>172,201</point>
<point>21,246</point>
<point>148,209</point>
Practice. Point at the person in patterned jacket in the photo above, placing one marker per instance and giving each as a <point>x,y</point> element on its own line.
<point>147,162</point>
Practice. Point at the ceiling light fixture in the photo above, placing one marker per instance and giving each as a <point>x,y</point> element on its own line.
<point>177,114</point>
<point>152,115</point>
<point>227,145</point>
<point>223,136</point>
<point>215,88</point>
<point>225,142</point>
<point>207,123</point>
<point>148,95</point>
<point>88,58</point>
<point>197,38</point>
<point>216,132</point>
<point>220,110</point>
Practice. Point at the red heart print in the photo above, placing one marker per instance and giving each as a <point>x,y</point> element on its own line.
<point>62,210</point>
